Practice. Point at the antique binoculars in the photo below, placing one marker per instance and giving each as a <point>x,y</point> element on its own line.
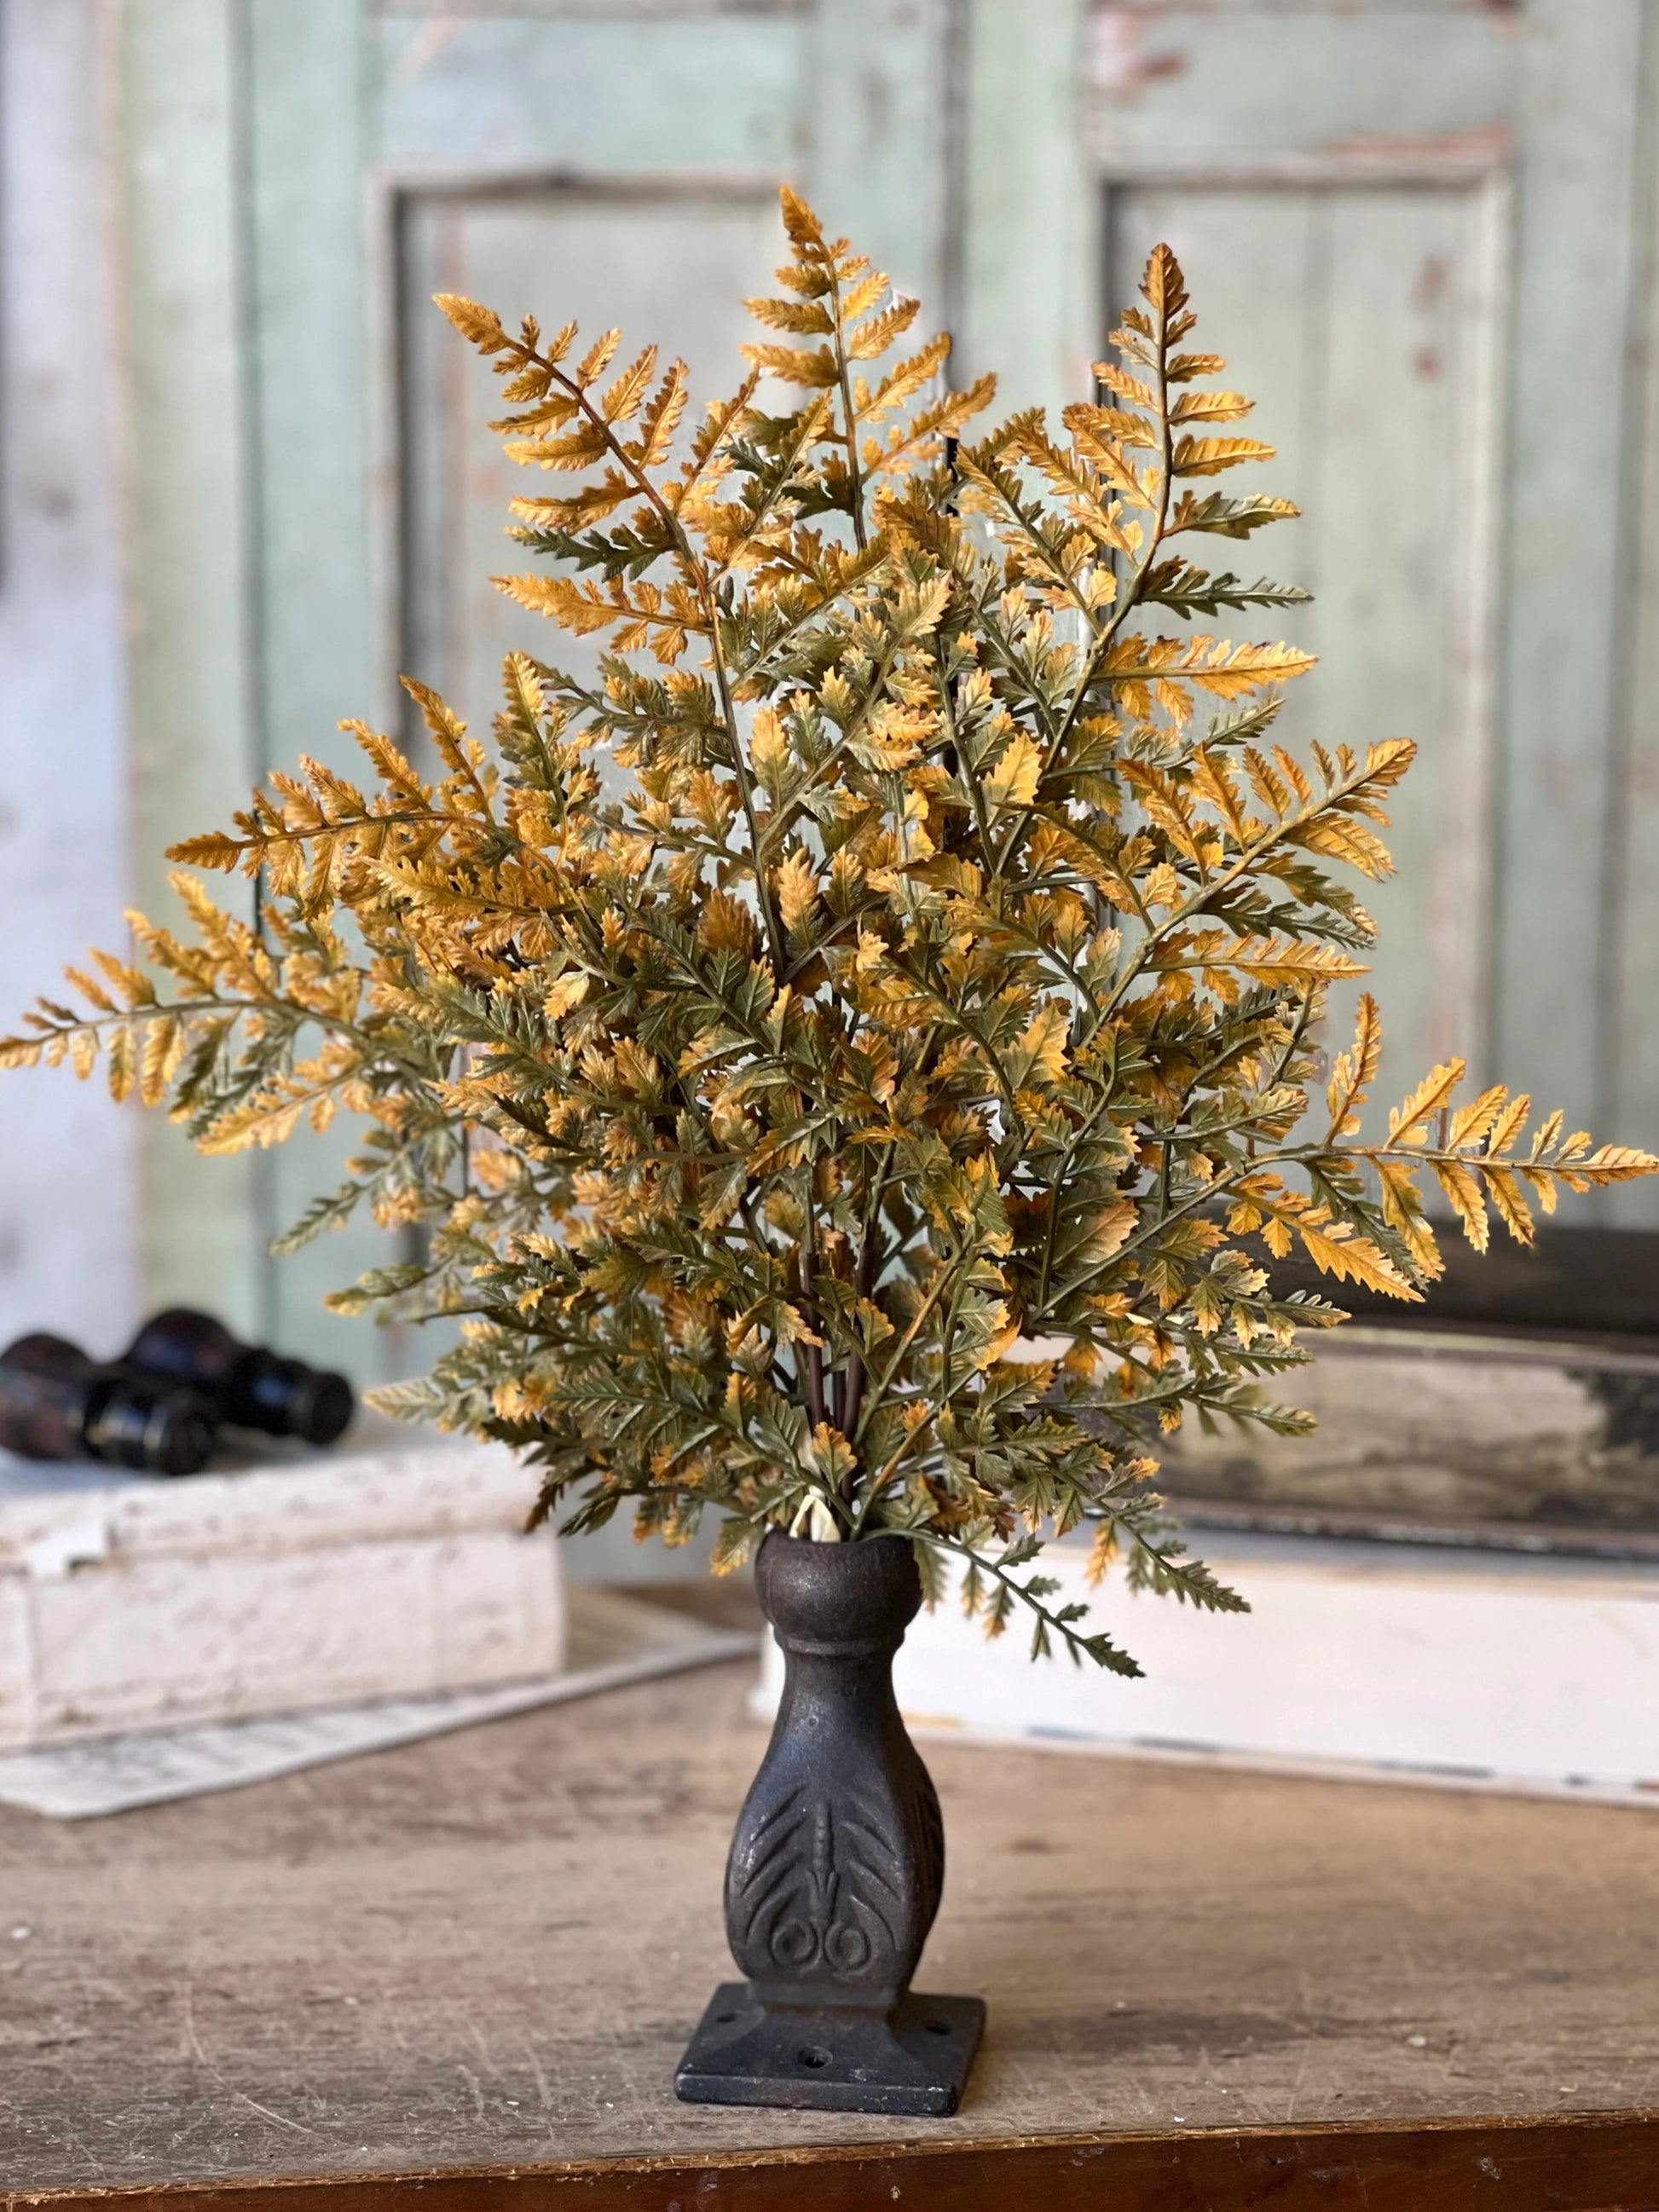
<point>158,1409</point>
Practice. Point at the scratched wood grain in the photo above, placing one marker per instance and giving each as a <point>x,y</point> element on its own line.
<point>487,1951</point>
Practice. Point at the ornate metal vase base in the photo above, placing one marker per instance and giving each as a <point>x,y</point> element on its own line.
<point>912,2063</point>
<point>836,1866</point>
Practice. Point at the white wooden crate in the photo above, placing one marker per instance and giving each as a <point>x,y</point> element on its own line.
<point>385,1568</point>
<point>1464,1668</point>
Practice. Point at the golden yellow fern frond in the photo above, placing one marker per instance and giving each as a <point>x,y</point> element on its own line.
<point>1355,1071</point>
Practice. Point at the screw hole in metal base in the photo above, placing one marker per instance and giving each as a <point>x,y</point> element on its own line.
<point>912,2061</point>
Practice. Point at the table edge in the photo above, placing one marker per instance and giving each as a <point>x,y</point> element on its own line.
<point>1589,2161</point>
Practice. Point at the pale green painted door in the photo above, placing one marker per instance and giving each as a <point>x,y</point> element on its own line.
<point>316,451</point>
<point>1417,229</point>
<point>1420,228</point>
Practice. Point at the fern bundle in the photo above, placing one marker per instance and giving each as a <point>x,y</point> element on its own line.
<point>901,949</point>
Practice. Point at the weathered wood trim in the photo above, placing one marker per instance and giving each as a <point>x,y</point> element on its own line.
<point>641,11</point>
<point>1633,881</point>
<point>1477,160</point>
<point>307,342</point>
<point>178,192</point>
<point>1590,2162</point>
<point>1569,478</point>
<point>1031,217</point>
<point>69,1198</point>
<point>600,94</point>
<point>1466,873</point>
<point>391,183</point>
<point>877,104</point>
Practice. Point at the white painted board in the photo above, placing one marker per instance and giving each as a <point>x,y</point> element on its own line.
<point>391,1569</point>
<point>1385,1662</point>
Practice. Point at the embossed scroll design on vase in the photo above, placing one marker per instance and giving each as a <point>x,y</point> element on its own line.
<point>824,1888</point>
<point>838,1862</point>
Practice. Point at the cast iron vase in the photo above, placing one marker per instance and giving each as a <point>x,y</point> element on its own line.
<point>836,1866</point>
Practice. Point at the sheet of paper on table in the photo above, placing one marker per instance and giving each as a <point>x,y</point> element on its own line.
<point>613,1640</point>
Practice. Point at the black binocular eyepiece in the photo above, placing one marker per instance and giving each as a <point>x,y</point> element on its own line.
<point>248,1387</point>
<point>55,1403</point>
<point>158,1409</point>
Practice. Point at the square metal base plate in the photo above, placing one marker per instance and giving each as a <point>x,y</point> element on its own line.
<point>912,2062</point>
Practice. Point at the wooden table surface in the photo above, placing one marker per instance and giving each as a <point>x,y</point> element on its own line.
<point>486,1952</point>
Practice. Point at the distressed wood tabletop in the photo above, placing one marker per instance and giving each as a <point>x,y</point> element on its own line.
<point>486,1951</point>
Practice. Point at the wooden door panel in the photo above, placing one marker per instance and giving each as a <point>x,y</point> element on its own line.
<point>668,269</point>
<point>1357,318</point>
<point>1514,927</point>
